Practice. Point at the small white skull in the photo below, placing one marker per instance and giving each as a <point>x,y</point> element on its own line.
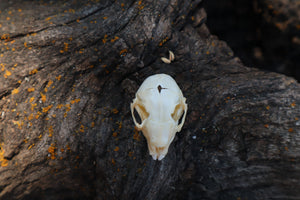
<point>160,104</point>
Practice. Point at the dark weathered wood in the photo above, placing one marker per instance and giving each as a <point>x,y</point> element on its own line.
<point>262,33</point>
<point>70,71</point>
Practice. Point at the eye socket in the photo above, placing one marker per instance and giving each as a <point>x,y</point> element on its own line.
<point>140,113</point>
<point>177,115</point>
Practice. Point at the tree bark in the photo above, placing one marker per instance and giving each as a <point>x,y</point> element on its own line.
<point>69,70</point>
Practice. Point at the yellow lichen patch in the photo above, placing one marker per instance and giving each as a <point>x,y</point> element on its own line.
<point>43,97</point>
<point>120,124</point>
<point>291,130</point>
<point>75,101</point>
<point>3,161</point>
<point>46,109</point>
<point>114,39</point>
<point>286,148</point>
<point>31,90</point>
<point>293,104</point>
<point>30,117</point>
<point>15,91</point>
<point>268,107</point>
<point>68,107</point>
<point>66,46</point>
<point>48,18</point>
<point>7,74</point>
<point>123,52</point>
<point>50,131</point>
<point>33,72</point>
<point>117,149</point>
<point>113,161</point>
<point>93,124</point>
<point>81,129</point>
<point>31,146</point>
<point>19,123</point>
<point>104,39</point>
<point>136,135</point>
<point>68,147</point>
<point>33,105</point>
<point>50,82</point>
<point>52,151</point>
<point>115,134</point>
<point>115,111</point>
<point>59,106</point>
<point>130,154</point>
<point>163,41</point>
<point>2,66</point>
<point>58,77</point>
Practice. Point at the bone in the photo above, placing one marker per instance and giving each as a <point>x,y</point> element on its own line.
<point>159,112</point>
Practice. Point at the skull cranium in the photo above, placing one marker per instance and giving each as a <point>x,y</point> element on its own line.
<point>160,104</point>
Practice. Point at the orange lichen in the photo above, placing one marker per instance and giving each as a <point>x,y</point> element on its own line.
<point>7,73</point>
<point>130,154</point>
<point>59,106</point>
<point>33,71</point>
<point>268,107</point>
<point>50,82</point>
<point>58,77</point>
<point>31,90</point>
<point>104,39</point>
<point>68,147</point>
<point>115,111</point>
<point>163,41</point>
<point>117,149</point>
<point>2,65</point>
<point>114,39</point>
<point>113,161</point>
<point>293,104</point>
<point>266,125</point>
<point>15,91</point>
<point>123,52</point>
<point>115,134</point>
<point>136,135</point>
<point>30,117</point>
<point>33,105</point>
<point>68,107</point>
<point>286,148</point>
<point>3,161</point>
<point>291,130</point>
<point>81,129</point>
<point>52,151</point>
<point>51,131</point>
<point>66,46</point>
<point>43,97</point>
<point>46,109</point>
<point>31,146</point>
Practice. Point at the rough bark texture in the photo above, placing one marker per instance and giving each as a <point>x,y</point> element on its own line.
<point>262,33</point>
<point>69,70</point>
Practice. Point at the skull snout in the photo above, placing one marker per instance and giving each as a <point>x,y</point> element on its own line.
<point>158,153</point>
<point>159,137</point>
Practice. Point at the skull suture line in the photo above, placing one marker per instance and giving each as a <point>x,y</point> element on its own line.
<point>160,104</point>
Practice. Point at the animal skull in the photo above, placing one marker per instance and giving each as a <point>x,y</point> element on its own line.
<point>160,104</point>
